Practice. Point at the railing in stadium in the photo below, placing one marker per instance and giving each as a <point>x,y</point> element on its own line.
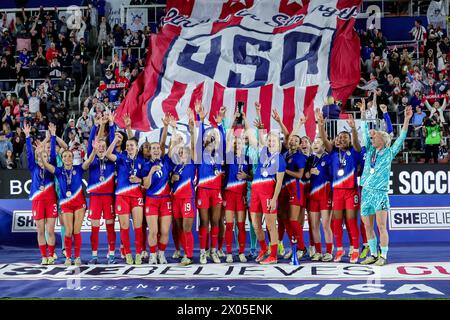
<point>85,87</point>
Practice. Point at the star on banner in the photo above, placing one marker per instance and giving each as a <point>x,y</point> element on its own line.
<point>300,2</point>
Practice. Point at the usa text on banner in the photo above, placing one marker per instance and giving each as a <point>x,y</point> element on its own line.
<point>287,54</point>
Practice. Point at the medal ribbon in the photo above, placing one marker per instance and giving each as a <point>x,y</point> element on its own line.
<point>69,179</point>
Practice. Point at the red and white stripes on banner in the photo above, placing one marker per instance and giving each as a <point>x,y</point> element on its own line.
<point>291,103</point>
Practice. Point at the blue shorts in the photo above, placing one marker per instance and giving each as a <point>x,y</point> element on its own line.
<point>373,201</point>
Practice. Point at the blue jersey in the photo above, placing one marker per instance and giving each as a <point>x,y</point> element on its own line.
<point>42,181</point>
<point>101,177</point>
<point>362,160</point>
<point>210,169</point>
<point>232,168</point>
<point>344,168</point>
<point>269,165</point>
<point>159,186</point>
<point>294,162</point>
<point>126,167</point>
<point>320,183</point>
<point>70,182</point>
<point>184,187</point>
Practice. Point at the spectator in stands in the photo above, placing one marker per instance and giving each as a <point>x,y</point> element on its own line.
<point>10,160</point>
<point>418,32</point>
<point>442,85</point>
<point>52,53</point>
<point>33,100</point>
<point>380,43</point>
<point>5,145</point>
<point>104,29</point>
<point>18,142</point>
<point>415,128</point>
<point>437,108</point>
<point>84,123</point>
<point>432,133</point>
<point>369,85</point>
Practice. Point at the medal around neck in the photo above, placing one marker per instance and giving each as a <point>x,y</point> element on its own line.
<point>372,170</point>
<point>68,193</point>
<point>340,172</point>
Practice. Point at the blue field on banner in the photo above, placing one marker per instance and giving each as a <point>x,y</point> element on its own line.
<point>427,277</point>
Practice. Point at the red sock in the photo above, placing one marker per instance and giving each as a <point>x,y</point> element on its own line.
<point>208,239</point>
<point>138,239</point>
<point>298,233</point>
<point>111,235</point>
<point>144,238</point>
<point>77,244</point>
<point>353,225</point>
<point>43,249</point>
<point>263,245</point>
<point>318,246</point>
<point>289,230</point>
<point>51,250</point>
<point>221,238</point>
<point>189,244</point>
<point>229,237</point>
<point>203,237</point>
<point>329,247</point>
<point>274,250</point>
<point>311,238</point>
<point>338,231</point>
<point>94,238</point>
<point>242,236</point>
<point>176,236</point>
<point>125,238</point>
<point>281,228</point>
<point>68,246</point>
<point>349,231</point>
<point>153,249</point>
<point>162,246</point>
<point>214,237</point>
<point>362,228</point>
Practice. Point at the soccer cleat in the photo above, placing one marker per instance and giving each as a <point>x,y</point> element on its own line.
<point>281,250</point>
<point>208,253</point>
<point>176,254</point>
<point>138,259</point>
<point>215,257</point>
<point>350,251</point>
<point>77,262</point>
<point>203,257</point>
<point>55,256</point>
<point>288,255</point>
<point>129,258</point>
<point>94,260</point>
<point>316,257</point>
<point>261,255</point>
<point>327,257</point>
<point>161,257</point>
<point>364,252</point>
<point>50,260</point>
<point>369,260</point>
<point>302,253</point>
<point>68,262</point>
<point>242,258</point>
<point>44,261</point>
<point>111,259</point>
<point>379,252</point>
<point>354,257</point>
<point>269,260</point>
<point>152,259</point>
<point>312,251</point>
<point>186,261</point>
<point>220,253</point>
<point>380,261</point>
<point>339,255</point>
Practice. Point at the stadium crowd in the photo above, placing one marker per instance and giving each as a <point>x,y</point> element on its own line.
<point>43,47</point>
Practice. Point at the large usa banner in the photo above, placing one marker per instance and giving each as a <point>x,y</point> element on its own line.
<point>287,54</point>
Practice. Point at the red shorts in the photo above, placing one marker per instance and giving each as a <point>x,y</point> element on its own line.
<point>74,205</point>
<point>101,204</point>
<point>207,198</point>
<point>345,199</point>
<point>158,206</point>
<point>234,201</point>
<point>319,205</point>
<point>124,204</point>
<point>260,203</point>
<point>295,201</point>
<point>44,209</point>
<point>304,198</point>
<point>183,208</point>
